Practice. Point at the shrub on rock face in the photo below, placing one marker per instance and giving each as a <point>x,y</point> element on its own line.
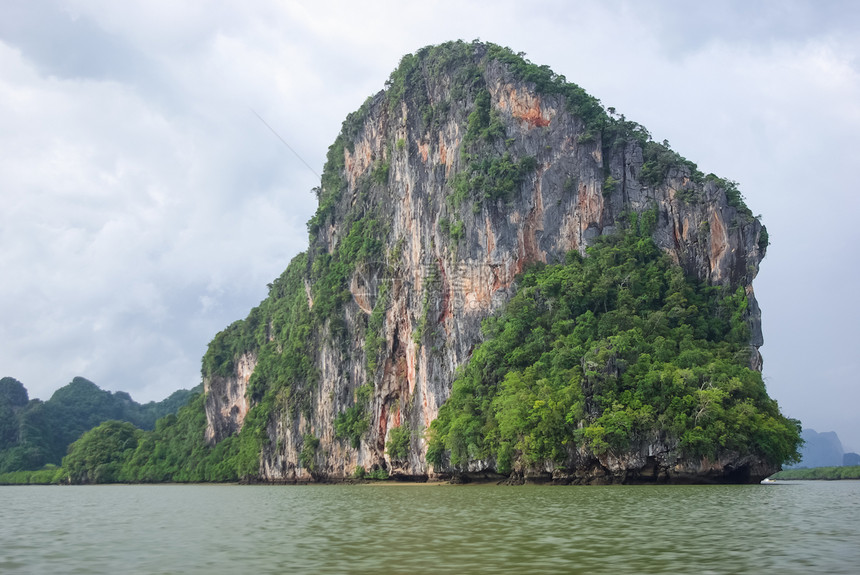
<point>398,443</point>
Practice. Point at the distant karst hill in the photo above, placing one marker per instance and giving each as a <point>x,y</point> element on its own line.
<point>34,432</point>
<point>824,450</point>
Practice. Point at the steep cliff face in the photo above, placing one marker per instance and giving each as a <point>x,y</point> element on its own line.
<point>226,398</point>
<point>440,190</point>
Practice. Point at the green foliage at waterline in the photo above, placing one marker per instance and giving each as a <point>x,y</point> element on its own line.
<point>98,456</point>
<point>50,474</point>
<point>119,452</point>
<point>606,353</point>
<point>824,473</point>
<point>175,451</point>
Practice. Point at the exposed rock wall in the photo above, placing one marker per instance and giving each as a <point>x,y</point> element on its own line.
<point>226,399</point>
<point>441,285</point>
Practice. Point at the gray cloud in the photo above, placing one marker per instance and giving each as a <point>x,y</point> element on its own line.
<point>146,207</point>
<point>59,43</point>
<point>683,27</point>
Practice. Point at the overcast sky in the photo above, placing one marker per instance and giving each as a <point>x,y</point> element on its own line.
<point>145,206</point>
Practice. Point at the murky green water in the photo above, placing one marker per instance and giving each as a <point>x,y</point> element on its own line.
<point>801,527</point>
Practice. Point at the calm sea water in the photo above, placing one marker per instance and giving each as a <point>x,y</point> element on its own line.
<point>798,527</point>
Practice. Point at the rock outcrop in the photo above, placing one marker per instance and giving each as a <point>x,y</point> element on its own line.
<point>471,165</point>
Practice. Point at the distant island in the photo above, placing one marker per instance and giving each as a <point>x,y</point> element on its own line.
<point>824,473</point>
<point>823,449</point>
<point>822,457</point>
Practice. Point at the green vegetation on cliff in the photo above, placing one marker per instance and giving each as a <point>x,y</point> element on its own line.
<point>353,422</point>
<point>607,353</point>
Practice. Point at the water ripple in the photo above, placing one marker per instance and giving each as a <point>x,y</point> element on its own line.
<point>790,528</point>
